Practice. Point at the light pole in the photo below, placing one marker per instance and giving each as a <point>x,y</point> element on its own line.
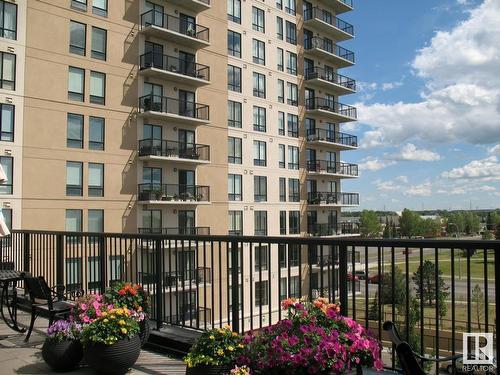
<point>459,257</point>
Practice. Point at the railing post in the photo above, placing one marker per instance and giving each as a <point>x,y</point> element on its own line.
<point>497,297</point>
<point>235,287</point>
<point>343,287</point>
<point>26,252</point>
<point>159,286</point>
<point>59,259</point>
<point>103,262</point>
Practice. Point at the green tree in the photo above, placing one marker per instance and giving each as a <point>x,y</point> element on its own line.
<point>394,230</point>
<point>478,300</point>
<point>369,225</point>
<point>411,336</point>
<point>387,231</point>
<point>472,223</point>
<point>387,295</point>
<point>425,276</point>
<point>408,225</point>
<point>497,232</point>
<point>487,235</point>
<point>373,311</point>
<point>492,220</point>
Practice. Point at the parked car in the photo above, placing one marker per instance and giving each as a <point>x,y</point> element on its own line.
<point>376,279</point>
<point>350,277</point>
<point>481,370</point>
<point>360,274</point>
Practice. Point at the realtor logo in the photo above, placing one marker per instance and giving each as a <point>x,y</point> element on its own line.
<point>478,349</point>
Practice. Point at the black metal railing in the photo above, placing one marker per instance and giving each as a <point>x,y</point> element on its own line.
<point>173,193</point>
<point>182,26</point>
<point>330,76</point>
<point>330,47</point>
<point>173,149</point>
<point>174,65</point>
<point>184,108</point>
<point>332,229</point>
<point>434,290</point>
<point>315,135</point>
<point>190,231</point>
<point>329,18</point>
<point>325,166</point>
<point>347,199</point>
<point>325,104</point>
<point>178,278</point>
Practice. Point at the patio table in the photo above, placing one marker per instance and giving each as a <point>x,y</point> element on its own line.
<point>9,278</point>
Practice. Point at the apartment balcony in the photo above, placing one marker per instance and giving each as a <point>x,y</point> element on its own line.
<point>330,81</point>
<point>337,112</point>
<point>180,111</point>
<point>170,194</point>
<point>328,199</point>
<point>329,230</point>
<point>194,5</point>
<point>174,69</point>
<point>325,22</point>
<point>187,153</point>
<point>154,23</point>
<point>178,279</point>
<point>326,49</point>
<point>339,6</point>
<point>325,137</point>
<point>325,167</point>
<point>188,231</point>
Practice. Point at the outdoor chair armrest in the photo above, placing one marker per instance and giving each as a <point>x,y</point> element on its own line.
<point>57,292</point>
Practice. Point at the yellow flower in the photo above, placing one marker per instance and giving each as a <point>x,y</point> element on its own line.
<point>228,327</point>
<point>220,352</point>
<point>119,311</point>
<point>113,317</point>
<point>212,337</point>
<point>121,322</point>
<point>105,320</point>
<point>235,334</point>
<point>124,330</point>
<point>230,348</point>
<point>240,346</point>
<point>104,313</point>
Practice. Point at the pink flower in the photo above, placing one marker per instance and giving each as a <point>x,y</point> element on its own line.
<point>86,319</point>
<point>84,306</point>
<point>96,305</point>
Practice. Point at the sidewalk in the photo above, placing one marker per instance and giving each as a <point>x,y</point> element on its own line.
<point>17,357</point>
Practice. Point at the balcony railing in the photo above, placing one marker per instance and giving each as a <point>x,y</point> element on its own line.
<point>330,76</point>
<point>166,21</point>
<point>330,47</point>
<point>343,199</point>
<point>331,106</point>
<point>323,230</point>
<point>189,231</point>
<point>315,135</point>
<point>162,104</point>
<point>173,193</point>
<point>172,149</point>
<point>329,18</point>
<point>174,65</point>
<point>325,166</point>
<point>178,278</point>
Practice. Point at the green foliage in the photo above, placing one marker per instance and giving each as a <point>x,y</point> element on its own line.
<point>463,222</point>
<point>132,296</point>
<point>478,300</point>
<point>387,296</point>
<point>492,220</point>
<point>427,276</point>
<point>497,232</point>
<point>369,225</point>
<point>412,225</point>
<point>488,235</point>
<point>387,231</point>
<point>373,311</point>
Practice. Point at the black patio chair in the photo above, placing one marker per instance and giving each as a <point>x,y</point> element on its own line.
<point>51,302</point>
<point>411,362</point>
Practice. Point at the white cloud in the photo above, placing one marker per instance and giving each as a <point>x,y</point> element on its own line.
<point>410,152</point>
<point>487,169</point>
<point>374,164</point>
<point>422,190</point>
<point>386,185</point>
<point>391,85</point>
<point>494,149</point>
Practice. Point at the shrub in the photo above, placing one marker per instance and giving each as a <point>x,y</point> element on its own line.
<point>132,296</point>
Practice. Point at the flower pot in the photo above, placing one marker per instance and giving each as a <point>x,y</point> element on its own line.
<point>145,330</point>
<point>209,370</point>
<point>113,359</point>
<point>62,356</point>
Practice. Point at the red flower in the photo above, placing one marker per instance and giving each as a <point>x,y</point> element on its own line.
<point>121,292</point>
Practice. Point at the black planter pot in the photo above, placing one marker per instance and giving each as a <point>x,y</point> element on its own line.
<point>209,370</point>
<point>144,332</point>
<point>62,356</point>
<point>113,359</point>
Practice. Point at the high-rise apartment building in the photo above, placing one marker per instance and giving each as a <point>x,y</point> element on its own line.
<point>116,116</point>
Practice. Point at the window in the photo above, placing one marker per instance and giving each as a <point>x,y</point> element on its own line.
<point>260,223</point>
<point>281,123</point>
<point>260,188</point>
<point>7,123</point>
<point>233,43</point>
<point>234,187</point>
<point>261,258</point>
<point>7,214</point>
<point>283,285</point>
<point>291,32</point>
<point>7,163</point>
<point>74,138</point>
<point>100,8</point>
<point>73,273</point>
<point>235,219</point>
<point>293,190</point>
<point>294,255</point>
<point>234,114</point>
<point>291,63</point>
<point>293,125</point>
<point>234,10</point>
<point>233,78</point>
<point>240,297</point>
<point>74,178</point>
<point>8,71</point>
<point>234,150</point>
<point>259,153</point>
<point>282,187</point>
<point>279,4</point>
<point>282,255</point>
<point>73,220</point>
<point>293,157</point>
<point>76,84</point>
<point>294,287</point>
<point>79,4</point>
<point>259,52</point>
<point>96,180</point>
<point>281,91</point>
<point>258,21</point>
<point>259,119</point>
<point>96,133</point>
<point>259,85</point>
<point>293,94</point>
<point>282,222</point>
<point>116,266</point>
<point>8,20</point>
<point>151,221</point>
<point>97,87</point>
<point>261,293</point>
<point>279,28</point>
<point>281,155</point>
<point>93,271</point>
<point>290,6</point>
<point>99,41</point>
<point>77,37</point>
<point>294,222</point>
<point>96,221</point>
<point>281,59</point>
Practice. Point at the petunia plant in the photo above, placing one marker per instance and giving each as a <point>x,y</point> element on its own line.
<point>131,296</point>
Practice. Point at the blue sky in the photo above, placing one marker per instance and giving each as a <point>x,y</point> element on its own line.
<point>428,73</point>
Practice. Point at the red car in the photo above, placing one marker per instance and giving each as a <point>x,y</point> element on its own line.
<point>350,277</point>
<point>376,279</point>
